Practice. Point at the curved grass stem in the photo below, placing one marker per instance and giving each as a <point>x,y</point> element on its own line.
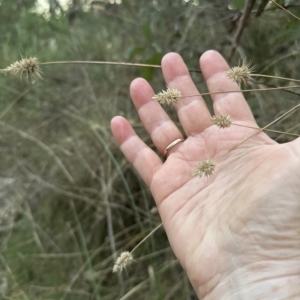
<point>261,129</point>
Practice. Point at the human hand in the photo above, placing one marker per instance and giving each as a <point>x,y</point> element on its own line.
<point>237,233</point>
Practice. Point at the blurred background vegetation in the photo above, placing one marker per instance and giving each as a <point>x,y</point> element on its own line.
<point>69,201</point>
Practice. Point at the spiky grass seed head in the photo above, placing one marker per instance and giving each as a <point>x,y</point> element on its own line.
<point>223,121</point>
<point>26,67</point>
<point>123,261</point>
<point>168,97</point>
<point>205,168</point>
<point>242,73</point>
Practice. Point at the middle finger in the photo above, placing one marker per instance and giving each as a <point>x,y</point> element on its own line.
<point>193,113</point>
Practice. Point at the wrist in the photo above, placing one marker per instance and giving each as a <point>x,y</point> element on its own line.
<point>254,283</point>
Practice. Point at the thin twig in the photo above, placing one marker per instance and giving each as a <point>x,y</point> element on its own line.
<point>261,7</point>
<point>242,24</point>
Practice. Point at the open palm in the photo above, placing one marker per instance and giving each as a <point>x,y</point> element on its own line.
<point>223,227</point>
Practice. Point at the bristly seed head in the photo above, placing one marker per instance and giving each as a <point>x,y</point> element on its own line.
<point>28,67</point>
<point>123,261</point>
<point>205,168</point>
<point>242,73</point>
<point>168,97</point>
<point>222,121</point>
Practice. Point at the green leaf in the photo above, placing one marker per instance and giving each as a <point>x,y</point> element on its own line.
<point>132,51</point>
<point>238,4</point>
<point>147,31</point>
<point>148,72</point>
<point>157,47</point>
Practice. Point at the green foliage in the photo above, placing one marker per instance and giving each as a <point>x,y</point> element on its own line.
<point>238,4</point>
<point>57,148</point>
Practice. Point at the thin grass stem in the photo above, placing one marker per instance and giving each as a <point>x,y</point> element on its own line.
<point>261,129</point>
<point>275,77</point>
<point>9,271</point>
<point>106,63</point>
<point>285,10</point>
<point>143,283</point>
<point>244,91</point>
<point>41,145</point>
<point>269,130</point>
<point>146,237</point>
<point>86,252</point>
<point>113,159</point>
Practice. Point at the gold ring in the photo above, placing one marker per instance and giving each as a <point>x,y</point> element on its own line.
<point>172,145</point>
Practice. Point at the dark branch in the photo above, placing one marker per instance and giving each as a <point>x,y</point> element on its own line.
<point>242,24</point>
<point>261,7</point>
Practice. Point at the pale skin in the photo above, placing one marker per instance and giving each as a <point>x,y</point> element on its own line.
<point>237,233</point>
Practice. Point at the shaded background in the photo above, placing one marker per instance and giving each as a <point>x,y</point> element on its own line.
<point>69,201</point>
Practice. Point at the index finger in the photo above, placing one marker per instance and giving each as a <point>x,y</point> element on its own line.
<point>144,160</point>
